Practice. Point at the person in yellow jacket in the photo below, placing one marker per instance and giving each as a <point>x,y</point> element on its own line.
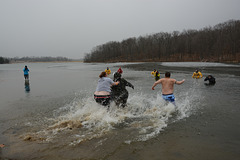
<point>153,72</point>
<point>156,74</point>
<point>197,74</point>
<point>108,71</point>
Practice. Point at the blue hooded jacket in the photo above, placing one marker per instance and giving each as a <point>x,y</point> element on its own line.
<point>25,70</point>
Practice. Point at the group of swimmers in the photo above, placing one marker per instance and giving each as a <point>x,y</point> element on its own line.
<point>105,93</point>
<point>198,75</point>
<point>108,89</point>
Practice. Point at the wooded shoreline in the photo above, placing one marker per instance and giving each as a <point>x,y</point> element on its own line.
<point>220,43</point>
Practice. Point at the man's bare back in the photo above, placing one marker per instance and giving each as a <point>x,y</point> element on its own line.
<point>167,84</point>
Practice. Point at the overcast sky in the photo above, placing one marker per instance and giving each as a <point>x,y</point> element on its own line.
<point>71,28</point>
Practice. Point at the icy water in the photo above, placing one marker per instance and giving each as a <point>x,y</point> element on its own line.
<point>55,117</point>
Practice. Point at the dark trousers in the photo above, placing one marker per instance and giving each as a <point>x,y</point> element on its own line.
<point>103,99</point>
<point>26,76</point>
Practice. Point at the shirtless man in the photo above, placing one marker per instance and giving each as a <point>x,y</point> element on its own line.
<point>167,87</point>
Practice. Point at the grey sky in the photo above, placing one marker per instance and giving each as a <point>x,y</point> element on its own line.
<point>71,28</point>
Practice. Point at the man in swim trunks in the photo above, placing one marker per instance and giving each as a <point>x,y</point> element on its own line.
<point>167,87</point>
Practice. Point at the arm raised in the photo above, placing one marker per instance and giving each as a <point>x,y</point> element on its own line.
<point>180,82</point>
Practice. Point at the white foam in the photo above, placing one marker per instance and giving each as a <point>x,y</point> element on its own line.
<point>145,115</point>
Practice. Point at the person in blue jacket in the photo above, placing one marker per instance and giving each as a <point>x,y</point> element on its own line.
<point>25,71</point>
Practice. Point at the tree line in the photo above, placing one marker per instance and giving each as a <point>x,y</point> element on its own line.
<point>220,43</point>
<point>37,59</point>
<point>3,60</point>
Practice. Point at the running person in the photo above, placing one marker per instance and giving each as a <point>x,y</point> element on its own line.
<point>167,87</point>
<point>102,93</point>
<point>119,93</point>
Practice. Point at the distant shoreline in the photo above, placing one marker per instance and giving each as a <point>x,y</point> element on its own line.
<point>232,62</point>
<point>81,61</point>
<point>44,62</point>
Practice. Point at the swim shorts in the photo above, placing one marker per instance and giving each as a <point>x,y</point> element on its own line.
<point>168,97</point>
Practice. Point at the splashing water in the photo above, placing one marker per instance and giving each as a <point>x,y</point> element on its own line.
<point>143,118</point>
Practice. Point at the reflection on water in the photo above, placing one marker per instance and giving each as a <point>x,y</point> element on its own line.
<point>209,84</point>
<point>27,85</point>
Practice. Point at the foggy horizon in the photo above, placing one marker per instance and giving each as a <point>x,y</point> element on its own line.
<point>58,28</point>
